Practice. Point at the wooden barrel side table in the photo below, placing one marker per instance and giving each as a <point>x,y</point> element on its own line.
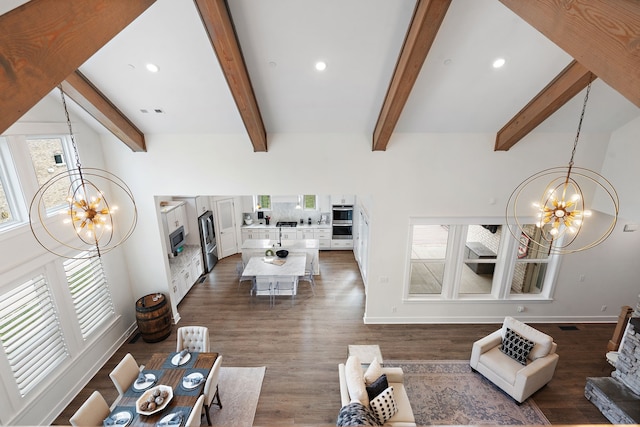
<point>153,315</point>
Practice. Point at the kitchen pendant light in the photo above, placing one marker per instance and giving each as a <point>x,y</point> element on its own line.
<point>560,213</point>
<point>90,226</point>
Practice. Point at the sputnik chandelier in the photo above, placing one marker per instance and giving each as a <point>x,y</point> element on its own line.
<point>559,211</point>
<point>89,222</point>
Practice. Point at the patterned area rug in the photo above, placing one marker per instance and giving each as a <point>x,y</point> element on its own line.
<point>239,390</point>
<point>447,392</point>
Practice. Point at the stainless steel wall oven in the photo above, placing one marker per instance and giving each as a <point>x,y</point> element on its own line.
<point>342,221</point>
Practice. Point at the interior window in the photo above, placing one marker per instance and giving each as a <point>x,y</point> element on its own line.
<point>462,261</point>
<point>481,248</point>
<point>531,264</point>
<point>428,253</point>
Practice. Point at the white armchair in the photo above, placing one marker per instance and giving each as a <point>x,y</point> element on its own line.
<point>518,380</point>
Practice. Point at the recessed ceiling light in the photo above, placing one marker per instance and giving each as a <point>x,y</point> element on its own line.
<point>153,68</point>
<point>321,65</point>
<point>498,63</point>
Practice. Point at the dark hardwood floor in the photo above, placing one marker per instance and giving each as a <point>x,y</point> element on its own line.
<point>302,344</point>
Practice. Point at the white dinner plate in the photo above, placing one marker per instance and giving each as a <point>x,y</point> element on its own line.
<point>151,380</point>
<point>172,419</point>
<point>197,376</point>
<point>177,361</point>
<point>122,418</point>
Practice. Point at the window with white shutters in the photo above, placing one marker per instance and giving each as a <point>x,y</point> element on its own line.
<point>90,293</point>
<point>30,333</point>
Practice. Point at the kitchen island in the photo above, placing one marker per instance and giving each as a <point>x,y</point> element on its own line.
<point>258,247</point>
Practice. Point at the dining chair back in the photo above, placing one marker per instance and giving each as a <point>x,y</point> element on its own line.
<point>308,273</point>
<point>211,392</point>
<point>93,411</point>
<point>193,338</point>
<point>286,284</point>
<point>196,413</point>
<point>263,284</point>
<point>244,278</point>
<point>125,373</point>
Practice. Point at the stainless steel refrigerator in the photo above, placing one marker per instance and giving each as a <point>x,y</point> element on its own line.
<point>208,240</point>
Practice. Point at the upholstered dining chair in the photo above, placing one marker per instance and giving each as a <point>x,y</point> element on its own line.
<point>92,412</point>
<point>308,274</point>
<point>196,413</point>
<point>211,392</point>
<point>193,338</point>
<point>124,374</point>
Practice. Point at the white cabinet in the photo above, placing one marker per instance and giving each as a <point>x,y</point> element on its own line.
<point>324,203</point>
<point>305,234</point>
<point>341,244</point>
<point>289,235</point>
<point>254,233</point>
<point>324,237</point>
<point>181,282</point>
<point>271,234</point>
<point>174,216</point>
<point>185,270</point>
<point>203,204</point>
<point>248,204</point>
<point>343,199</point>
<point>196,266</point>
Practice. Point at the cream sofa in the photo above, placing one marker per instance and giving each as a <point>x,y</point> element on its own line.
<point>517,380</point>
<point>352,376</point>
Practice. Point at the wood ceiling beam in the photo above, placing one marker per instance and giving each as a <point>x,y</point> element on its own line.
<point>427,18</point>
<point>42,42</point>
<point>558,92</point>
<point>219,27</point>
<point>85,94</point>
<point>603,35</point>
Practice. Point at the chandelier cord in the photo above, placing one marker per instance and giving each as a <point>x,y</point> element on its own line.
<point>575,143</point>
<point>73,139</point>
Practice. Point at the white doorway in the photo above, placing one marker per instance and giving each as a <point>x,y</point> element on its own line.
<point>227,240</point>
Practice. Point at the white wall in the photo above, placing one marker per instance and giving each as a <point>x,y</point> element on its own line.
<point>437,175</point>
<point>21,255</point>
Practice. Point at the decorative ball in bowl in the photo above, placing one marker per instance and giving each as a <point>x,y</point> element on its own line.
<point>153,400</point>
<point>282,253</point>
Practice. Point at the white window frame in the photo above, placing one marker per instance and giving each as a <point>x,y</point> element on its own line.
<point>504,264</point>
<point>11,186</point>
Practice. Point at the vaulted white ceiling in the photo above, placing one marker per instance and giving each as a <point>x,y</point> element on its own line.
<point>457,89</point>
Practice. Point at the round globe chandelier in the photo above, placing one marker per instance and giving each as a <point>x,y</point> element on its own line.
<point>89,226</point>
<point>555,198</point>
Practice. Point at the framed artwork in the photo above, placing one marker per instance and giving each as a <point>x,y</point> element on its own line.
<point>523,247</point>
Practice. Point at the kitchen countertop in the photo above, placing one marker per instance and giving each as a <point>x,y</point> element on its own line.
<point>286,244</point>
<point>184,258</point>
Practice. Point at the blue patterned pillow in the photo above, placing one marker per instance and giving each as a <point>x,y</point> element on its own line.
<point>356,414</point>
<point>516,346</point>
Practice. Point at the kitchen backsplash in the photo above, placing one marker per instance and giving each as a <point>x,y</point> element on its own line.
<point>288,212</point>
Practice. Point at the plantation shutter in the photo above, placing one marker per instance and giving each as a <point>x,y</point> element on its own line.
<point>89,291</point>
<point>31,333</point>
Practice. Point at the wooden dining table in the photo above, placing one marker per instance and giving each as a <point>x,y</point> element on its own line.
<point>168,374</point>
